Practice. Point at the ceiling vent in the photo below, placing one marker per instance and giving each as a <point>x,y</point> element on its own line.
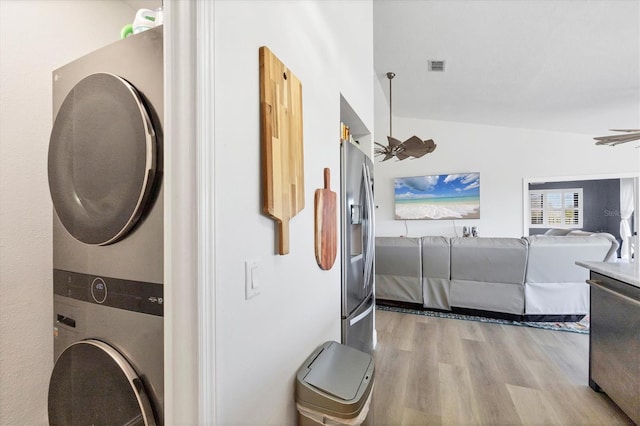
<point>436,65</point>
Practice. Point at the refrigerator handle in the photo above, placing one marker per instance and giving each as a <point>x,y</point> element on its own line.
<point>369,243</point>
<point>361,316</point>
<point>371,233</point>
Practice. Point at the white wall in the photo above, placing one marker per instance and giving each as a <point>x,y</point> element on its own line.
<point>503,156</point>
<point>36,37</point>
<point>261,342</point>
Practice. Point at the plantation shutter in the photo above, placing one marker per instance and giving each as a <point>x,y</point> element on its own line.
<point>572,211</point>
<point>536,202</point>
<point>556,208</point>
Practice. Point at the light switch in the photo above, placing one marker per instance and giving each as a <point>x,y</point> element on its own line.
<point>251,279</point>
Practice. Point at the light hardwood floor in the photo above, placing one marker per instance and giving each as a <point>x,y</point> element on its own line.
<point>434,371</point>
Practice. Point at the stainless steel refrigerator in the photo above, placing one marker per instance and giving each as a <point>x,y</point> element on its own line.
<point>357,247</point>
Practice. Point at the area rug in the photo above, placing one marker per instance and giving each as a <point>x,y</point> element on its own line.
<point>581,327</point>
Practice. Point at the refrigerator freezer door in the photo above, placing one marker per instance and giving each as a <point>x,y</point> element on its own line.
<point>356,228</point>
<point>357,329</point>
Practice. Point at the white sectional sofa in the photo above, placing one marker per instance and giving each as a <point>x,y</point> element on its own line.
<point>533,278</point>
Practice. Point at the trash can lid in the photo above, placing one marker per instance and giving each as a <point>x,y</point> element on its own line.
<point>335,379</point>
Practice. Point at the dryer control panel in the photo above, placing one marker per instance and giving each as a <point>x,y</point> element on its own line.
<point>136,296</point>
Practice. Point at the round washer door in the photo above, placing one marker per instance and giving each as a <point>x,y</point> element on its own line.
<point>92,384</point>
<point>102,159</point>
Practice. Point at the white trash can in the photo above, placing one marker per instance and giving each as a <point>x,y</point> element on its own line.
<point>334,386</point>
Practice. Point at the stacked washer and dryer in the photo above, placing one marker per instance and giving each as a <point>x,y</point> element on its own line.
<point>105,179</point>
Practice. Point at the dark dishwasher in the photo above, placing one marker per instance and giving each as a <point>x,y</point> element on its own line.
<point>614,342</point>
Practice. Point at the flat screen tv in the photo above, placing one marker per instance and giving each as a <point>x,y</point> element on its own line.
<point>452,196</point>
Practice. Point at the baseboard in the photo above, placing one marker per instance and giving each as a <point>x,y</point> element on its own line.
<point>482,313</point>
<point>454,310</point>
<point>553,318</point>
<point>486,314</point>
<point>399,304</point>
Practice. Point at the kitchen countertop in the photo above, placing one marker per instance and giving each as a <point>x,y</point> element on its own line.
<point>625,272</point>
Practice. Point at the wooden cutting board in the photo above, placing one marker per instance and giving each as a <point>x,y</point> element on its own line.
<point>281,144</point>
<point>326,231</point>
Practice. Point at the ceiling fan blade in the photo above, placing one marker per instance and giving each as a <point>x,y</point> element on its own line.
<point>619,142</point>
<point>627,135</point>
<point>393,142</point>
<point>413,143</point>
<point>417,148</point>
<point>417,152</point>
<point>605,140</point>
<point>612,137</point>
<point>431,145</point>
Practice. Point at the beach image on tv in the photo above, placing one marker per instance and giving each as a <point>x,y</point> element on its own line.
<point>455,196</point>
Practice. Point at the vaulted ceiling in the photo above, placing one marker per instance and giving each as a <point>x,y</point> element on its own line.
<point>560,65</point>
<point>563,65</point>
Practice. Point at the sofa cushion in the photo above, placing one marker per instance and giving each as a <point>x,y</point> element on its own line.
<point>554,284</point>
<point>557,231</point>
<point>552,259</point>
<point>487,296</point>
<point>612,254</point>
<point>493,260</point>
<point>436,256</point>
<point>488,274</point>
<point>436,270</point>
<point>556,299</point>
<point>398,269</point>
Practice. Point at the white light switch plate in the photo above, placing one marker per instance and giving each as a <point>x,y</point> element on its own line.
<point>251,279</point>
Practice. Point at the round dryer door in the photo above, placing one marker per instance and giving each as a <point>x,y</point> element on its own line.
<point>92,384</point>
<point>102,159</point>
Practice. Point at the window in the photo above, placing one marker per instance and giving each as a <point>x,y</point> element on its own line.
<point>555,208</point>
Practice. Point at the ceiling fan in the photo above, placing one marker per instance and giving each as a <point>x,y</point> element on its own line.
<point>412,147</point>
<point>613,140</point>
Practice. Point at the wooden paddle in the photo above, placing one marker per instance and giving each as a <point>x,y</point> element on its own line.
<point>326,235</point>
<point>281,142</point>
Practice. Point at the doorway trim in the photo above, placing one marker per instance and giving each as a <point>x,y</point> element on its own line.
<point>528,180</point>
<point>205,95</point>
<point>189,256</point>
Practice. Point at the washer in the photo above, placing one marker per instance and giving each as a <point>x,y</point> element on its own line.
<point>108,346</point>
<point>105,178</point>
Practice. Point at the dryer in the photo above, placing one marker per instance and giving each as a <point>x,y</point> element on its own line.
<point>105,179</point>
